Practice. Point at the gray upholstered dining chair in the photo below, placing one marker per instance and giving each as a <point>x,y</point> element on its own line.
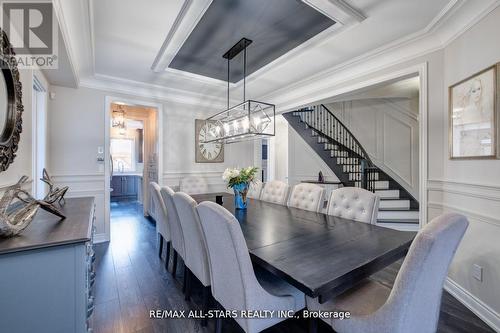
<point>275,191</point>
<point>413,304</point>
<point>196,259</point>
<point>234,282</point>
<point>194,185</point>
<point>255,189</point>
<point>307,196</point>
<point>175,226</point>
<point>354,203</point>
<point>160,216</point>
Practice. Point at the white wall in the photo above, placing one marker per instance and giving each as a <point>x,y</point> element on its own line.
<point>76,129</point>
<point>470,187</point>
<point>22,164</point>
<point>279,150</point>
<point>303,162</point>
<point>388,131</point>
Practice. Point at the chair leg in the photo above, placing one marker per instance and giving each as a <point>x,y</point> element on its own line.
<point>184,277</point>
<point>218,325</point>
<point>313,325</point>
<point>167,258</point>
<point>174,268</point>
<point>206,305</point>
<point>160,247</point>
<point>189,279</point>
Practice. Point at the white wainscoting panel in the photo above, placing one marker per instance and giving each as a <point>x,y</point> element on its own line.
<point>88,185</point>
<point>480,245</point>
<point>388,129</point>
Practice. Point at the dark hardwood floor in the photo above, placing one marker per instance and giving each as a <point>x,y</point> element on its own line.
<point>131,280</point>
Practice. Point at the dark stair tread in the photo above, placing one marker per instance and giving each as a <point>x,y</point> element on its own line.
<point>394,198</point>
<point>401,209</point>
<point>408,221</point>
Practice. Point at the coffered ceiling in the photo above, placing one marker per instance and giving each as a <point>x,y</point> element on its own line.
<point>168,47</point>
<point>274,27</point>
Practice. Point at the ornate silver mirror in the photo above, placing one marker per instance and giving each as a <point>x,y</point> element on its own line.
<point>11,107</point>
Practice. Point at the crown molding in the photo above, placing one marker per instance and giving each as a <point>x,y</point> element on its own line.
<point>63,28</point>
<point>433,37</point>
<point>151,91</point>
<point>383,51</point>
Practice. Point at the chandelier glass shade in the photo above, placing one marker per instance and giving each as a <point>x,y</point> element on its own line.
<point>118,118</point>
<point>249,120</point>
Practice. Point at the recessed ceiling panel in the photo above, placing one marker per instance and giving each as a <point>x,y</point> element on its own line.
<point>275,27</point>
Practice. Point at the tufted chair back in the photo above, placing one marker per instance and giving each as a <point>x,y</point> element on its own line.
<point>255,189</point>
<point>307,196</point>
<point>275,191</point>
<point>160,212</point>
<point>194,185</point>
<point>354,203</point>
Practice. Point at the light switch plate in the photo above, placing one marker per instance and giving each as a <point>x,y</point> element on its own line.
<point>477,272</point>
<point>100,150</point>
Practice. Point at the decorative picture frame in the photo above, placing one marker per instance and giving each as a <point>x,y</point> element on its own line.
<point>206,152</point>
<point>474,115</point>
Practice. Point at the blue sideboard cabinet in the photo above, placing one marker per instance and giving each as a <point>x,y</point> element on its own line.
<point>47,273</point>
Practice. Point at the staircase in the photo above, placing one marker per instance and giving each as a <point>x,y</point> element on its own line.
<point>342,152</point>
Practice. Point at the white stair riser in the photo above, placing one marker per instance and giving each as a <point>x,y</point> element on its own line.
<point>394,204</point>
<point>387,193</point>
<point>395,214</point>
<point>382,185</point>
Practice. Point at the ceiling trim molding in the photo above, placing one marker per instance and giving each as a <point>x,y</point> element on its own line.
<point>383,50</point>
<point>91,33</point>
<point>197,78</point>
<point>338,10</point>
<point>465,27</point>
<point>155,92</point>
<point>423,42</point>
<point>190,14</point>
<point>56,4</point>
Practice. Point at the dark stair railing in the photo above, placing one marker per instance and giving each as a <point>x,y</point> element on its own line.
<point>362,171</point>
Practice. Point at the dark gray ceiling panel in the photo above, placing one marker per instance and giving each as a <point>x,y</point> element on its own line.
<point>274,26</point>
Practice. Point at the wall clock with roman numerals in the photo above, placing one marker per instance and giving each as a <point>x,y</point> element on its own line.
<point>211,152</point>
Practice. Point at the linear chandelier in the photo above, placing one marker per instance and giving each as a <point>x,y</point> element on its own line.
<point>248,120</point>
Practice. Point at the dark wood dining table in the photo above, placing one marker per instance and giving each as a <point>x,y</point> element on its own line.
<point>321,255</point>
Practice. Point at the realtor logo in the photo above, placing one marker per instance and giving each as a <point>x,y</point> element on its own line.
<point>32,30</point>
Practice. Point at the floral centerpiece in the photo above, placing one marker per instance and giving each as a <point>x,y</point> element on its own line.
<point>239,180</point>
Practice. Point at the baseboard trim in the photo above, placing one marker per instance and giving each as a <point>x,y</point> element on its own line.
<point>483,311</point>
<point>100,238</point>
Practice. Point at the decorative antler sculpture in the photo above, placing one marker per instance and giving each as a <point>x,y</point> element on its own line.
<point>55,194</point>
<point>13,222</point>
<point>18,207</point>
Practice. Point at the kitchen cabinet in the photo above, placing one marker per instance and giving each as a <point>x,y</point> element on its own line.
<point>125,186</point>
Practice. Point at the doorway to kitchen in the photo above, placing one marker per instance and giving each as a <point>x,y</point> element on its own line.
<point>132,161</point>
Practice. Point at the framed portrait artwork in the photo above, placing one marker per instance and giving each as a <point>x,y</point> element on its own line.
<point>473,104</point>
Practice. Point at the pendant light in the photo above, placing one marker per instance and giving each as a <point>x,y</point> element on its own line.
<point>248,120</point>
